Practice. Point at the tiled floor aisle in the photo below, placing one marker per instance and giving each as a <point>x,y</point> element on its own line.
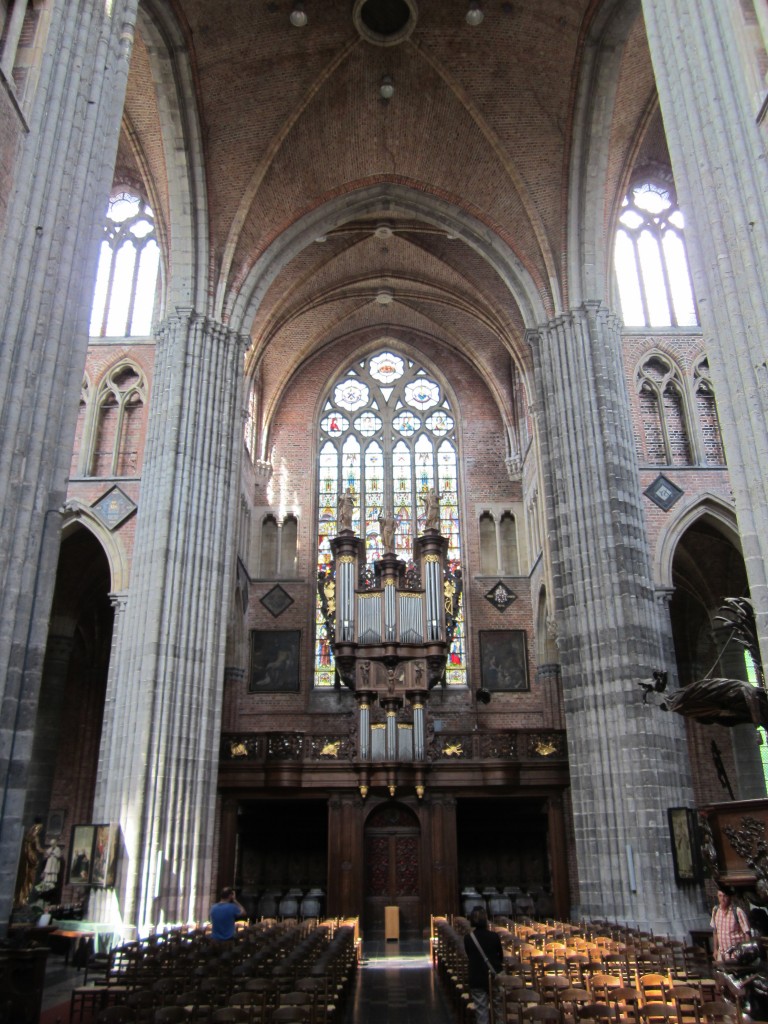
<point>396,984</point>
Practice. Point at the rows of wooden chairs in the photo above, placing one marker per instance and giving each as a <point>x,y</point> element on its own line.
<point>560,974</point>
<point>271,972</point>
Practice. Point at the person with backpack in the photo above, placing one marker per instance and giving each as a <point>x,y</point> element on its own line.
<point>730,926</point>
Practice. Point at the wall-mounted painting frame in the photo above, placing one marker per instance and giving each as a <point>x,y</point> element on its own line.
<point>81,854</point>
<point>503,661</point>
<point>684,833</point>
<point>104,856</point>
<point>274,661</point>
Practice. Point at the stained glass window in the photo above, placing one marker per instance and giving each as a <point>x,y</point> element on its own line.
<point>650,259</point>
<point>389,454</point>
<point>129,261</point>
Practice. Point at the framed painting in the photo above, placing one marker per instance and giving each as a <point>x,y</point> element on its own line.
<point>274,661</point>
<point>683,830</point>
<point>55,824</point>
<point>104,856</point>
<point>81,855</point>
<point>503,663</point>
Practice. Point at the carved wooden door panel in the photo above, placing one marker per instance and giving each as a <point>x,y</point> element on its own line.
<point>392,869</point>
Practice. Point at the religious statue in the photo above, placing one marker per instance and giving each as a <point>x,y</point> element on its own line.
<point>388,526</point>
<point>52,866</point>
<point>431,511</point>
<point>345,511</point>
<point>31,853</point>
<point>449,590</point>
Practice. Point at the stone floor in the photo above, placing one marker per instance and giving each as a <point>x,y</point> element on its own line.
<point>396,984</point>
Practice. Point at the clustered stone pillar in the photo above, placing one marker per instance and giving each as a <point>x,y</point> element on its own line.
<point>718,155</point>
<point>627,761</point>
<point>47,269</point>
<point>163,715</point>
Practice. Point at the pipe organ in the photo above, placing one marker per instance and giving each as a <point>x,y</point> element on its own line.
<point>390,626</point>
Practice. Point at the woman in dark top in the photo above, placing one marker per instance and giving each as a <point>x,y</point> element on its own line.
<point>478,969</point>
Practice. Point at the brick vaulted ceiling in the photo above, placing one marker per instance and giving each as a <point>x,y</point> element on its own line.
<point>292,120</point>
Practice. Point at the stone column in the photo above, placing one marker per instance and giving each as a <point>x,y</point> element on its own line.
<point>721,173</point>
<point>47,268</point>
<point>160,743</point>
<point>628,761</point>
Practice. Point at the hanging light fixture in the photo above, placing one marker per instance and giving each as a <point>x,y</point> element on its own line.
<point>387,88</point>
<point>475,14</point>
<point>299,15</point>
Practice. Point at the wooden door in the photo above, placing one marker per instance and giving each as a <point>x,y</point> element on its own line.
<point>392,870</point>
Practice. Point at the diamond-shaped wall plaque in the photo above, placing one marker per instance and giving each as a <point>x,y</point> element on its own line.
<point>501,596</point>
<point>277,600</point>
<point>114,507</point>
<point>663,492</point>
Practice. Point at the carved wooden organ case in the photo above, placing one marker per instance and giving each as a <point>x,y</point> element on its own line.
<point>390,628</point>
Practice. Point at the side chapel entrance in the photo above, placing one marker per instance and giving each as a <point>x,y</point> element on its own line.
<point>392,869</point>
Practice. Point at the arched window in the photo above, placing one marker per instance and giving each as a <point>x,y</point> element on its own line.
<point>651,261</point>
<point>662,413</point>
<point>709,424</point>
<point>124,298</point>
<point>387,433</point>
<point>119,422</point>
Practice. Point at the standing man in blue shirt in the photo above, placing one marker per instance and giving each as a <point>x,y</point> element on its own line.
<point>224,914</point>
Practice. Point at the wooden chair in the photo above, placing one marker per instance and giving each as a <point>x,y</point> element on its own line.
<point>719,1011</point>
<point>518,999</point>
<point>115,1015</point>
<point>142,1002</point>
<point>600,1013</point>
<point>287,1015</point>
<point>600,984</point>
<point>303,1000</point>
<point>230,1015</point>
<point>578,969</point>
<point>550,987</point>
<point>658,1013</point>
<point>570,1000</point>
<point>541,1013</point>
<point>627,1001</point>
<point>654,987</point>
<point>688,1001</point>
<point>171,1015</point>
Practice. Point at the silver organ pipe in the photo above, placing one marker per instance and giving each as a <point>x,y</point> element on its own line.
<point>345,586</point>
<point>411,608</point>
<point>405,740</point>
<point>390,610</point>
<point>418,732</point>
<point>434,591</point>
<point>365,732</point>
<point>378,746</point>
<point>369,618</point>
<point>391,733</point>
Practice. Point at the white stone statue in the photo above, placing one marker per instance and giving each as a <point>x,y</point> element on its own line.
<point>346,507</point>
<point>388,526</point>
<point>431,511</point>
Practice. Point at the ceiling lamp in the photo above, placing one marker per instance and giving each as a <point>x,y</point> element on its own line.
<point>299,15</point>
<point>387,88</point>
<point>474,15</point>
